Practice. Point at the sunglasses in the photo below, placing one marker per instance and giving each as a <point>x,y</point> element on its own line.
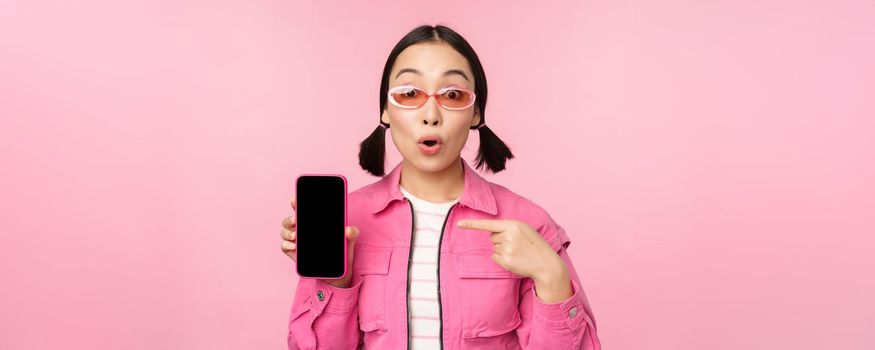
<point>452,98</point>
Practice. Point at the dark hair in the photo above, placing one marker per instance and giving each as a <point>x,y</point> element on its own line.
<point>493,153</point>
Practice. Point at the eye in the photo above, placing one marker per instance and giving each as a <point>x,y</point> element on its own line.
<point>453,94</point>
<point>407,92</point>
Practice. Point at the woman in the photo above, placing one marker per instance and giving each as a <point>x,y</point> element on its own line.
<point>440,257</point>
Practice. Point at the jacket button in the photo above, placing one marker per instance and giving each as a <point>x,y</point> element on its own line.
<point>571,313</point>
<point>320,295</point>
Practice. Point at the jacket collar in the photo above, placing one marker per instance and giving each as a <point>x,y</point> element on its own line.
<point>477,193</point>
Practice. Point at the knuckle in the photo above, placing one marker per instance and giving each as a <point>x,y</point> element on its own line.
<point>288,246</point>
<point>518,226</point>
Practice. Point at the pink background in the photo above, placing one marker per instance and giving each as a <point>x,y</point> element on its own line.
<point>712,161</point>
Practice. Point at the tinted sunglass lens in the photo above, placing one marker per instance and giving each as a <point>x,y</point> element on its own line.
<point>409,97</point>
<point>456,98</point>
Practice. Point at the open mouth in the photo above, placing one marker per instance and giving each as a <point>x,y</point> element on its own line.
<point>430,145</point>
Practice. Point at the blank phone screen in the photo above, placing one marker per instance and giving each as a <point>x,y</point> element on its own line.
<point>320,222</point>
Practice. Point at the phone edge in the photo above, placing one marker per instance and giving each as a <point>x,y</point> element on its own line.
<point>345,224</point>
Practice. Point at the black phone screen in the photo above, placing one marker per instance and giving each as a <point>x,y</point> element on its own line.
<point>320,219</point>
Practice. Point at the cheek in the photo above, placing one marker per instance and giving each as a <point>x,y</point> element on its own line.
<point>401,123</point>
<point>401,131</point>
<point>461,138</point>
<point>400,138</point>
<point>460,126</point>
<point>406,120</point>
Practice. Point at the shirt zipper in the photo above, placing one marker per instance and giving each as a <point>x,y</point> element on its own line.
<point>410,259</point>
<point>440,305</point>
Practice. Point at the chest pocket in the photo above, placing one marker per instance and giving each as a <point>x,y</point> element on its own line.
<point>372,263</point>
<point>490,295</point>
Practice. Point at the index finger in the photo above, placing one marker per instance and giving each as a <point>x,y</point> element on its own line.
<point>287,222</point>
<point>484,224</point>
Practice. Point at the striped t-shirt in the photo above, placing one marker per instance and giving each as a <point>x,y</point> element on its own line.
<point>424,313</point>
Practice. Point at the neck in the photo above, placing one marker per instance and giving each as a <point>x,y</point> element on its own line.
<point>440,186</point>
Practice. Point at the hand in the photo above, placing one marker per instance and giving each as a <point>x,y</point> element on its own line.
<point>520,249</point>
<point>289,246</point>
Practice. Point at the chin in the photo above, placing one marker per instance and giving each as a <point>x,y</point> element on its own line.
<point>432,164</point>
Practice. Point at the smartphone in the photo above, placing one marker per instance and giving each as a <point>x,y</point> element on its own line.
<point>320,222</point>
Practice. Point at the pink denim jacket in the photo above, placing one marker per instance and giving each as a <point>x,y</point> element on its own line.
<point>483,306</point>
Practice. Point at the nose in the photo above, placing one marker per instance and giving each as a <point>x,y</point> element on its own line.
<point>432,112</point>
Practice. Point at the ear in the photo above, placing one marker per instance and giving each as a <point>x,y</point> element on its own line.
<point>384,117</point>
<point>476,119</point>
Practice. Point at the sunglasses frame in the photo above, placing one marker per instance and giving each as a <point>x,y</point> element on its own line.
<point>429,95</point>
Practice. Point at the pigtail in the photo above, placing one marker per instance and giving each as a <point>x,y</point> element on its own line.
<point>372,151</point>
<point>493,152</point>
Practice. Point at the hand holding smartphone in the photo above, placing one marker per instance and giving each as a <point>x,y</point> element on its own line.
<point>317,237</point>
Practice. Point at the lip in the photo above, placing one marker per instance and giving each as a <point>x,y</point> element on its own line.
<point>426,150</point>
<point>429,150</point>
<point>430,137</point>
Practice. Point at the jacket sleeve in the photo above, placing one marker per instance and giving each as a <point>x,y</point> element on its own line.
<point>324,316</point>
<point>568,324</point>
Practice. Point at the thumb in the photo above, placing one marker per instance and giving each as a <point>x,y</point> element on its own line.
<point>352,234</point>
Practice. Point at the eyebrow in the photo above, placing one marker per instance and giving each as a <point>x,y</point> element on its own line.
<point>449,72</point>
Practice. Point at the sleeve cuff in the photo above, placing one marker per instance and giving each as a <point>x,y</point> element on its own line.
<point>568,313</point>
<point>326,297</point>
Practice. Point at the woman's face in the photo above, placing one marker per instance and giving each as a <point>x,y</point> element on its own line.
<point>430,66</point>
